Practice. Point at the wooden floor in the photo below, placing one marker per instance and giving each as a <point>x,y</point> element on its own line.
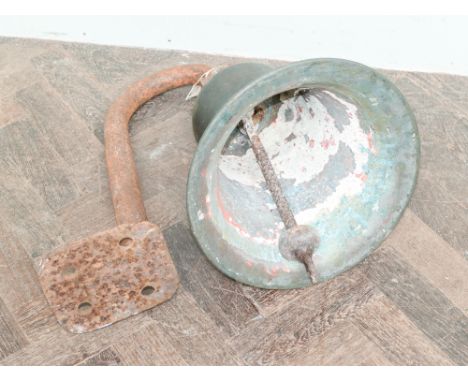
<point>406,305</point>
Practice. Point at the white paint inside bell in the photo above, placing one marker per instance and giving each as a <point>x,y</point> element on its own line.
<point>315,142</point>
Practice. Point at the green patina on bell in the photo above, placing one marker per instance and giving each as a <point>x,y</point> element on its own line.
<point>343,143</point>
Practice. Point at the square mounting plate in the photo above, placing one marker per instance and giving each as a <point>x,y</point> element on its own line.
<point>109,276</point>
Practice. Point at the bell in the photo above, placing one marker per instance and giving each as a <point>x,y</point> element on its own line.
<point>300,172</point>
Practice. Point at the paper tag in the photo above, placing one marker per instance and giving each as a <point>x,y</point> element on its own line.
<point>202,81</point>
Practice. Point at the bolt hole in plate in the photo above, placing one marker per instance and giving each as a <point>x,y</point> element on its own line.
<point>147,290</point>
<point>126,242</point>
<point>85,308</point>
<point>345,151</point>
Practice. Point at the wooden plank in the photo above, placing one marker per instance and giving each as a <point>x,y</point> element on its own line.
<point>8,289</point>
<point>115,65</point>
<point>219,296</point>
<point>12,338</point>
<point>25,217</point>
<point>76,86</point>
<point>427,307</point>
<point>440,91</point>
<point>55,346</point>
<point>16,69</point>
<point>437,202</point>
<point>15,79</point>
<point>25,153</point>
<point>37,320</point>
<point>269,301</point>
<point>440,104</point>
<point>163,160</point>
<point>287,334</point>
<point>11,111</point>
<point>341,345</point>
<point>88,215</point>
<point>180,322</point>
<point>163,155</point>
<point>397,337</point>
<point>29,306</point>
<point>181,334</point>
<point>19,284</point>
<point>195,336</point>
<point>432,257</point>
<point>19,287</point>
<point>106,357</point>
<point>148,347</point>
<point>16,53</point>
<point>59,125</point>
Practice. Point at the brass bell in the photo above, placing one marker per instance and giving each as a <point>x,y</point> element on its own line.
<point>333,139</point>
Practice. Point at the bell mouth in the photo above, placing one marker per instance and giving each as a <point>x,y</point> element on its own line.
<point>346,167</point>
<point>320,150</point>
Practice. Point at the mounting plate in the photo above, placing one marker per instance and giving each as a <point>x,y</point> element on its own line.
<point>109,276</point>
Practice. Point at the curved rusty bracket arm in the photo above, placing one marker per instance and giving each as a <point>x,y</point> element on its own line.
<point>123,271</point>
<point>123,177</point>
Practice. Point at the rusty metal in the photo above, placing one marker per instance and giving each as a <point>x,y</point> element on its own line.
<point>109,276</point>
<point>120,272</point>
<point>271,179</point>
<point>123,178</point>
<point>300,241</point>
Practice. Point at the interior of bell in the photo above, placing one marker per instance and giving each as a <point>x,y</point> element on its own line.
<point>320,150</point>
